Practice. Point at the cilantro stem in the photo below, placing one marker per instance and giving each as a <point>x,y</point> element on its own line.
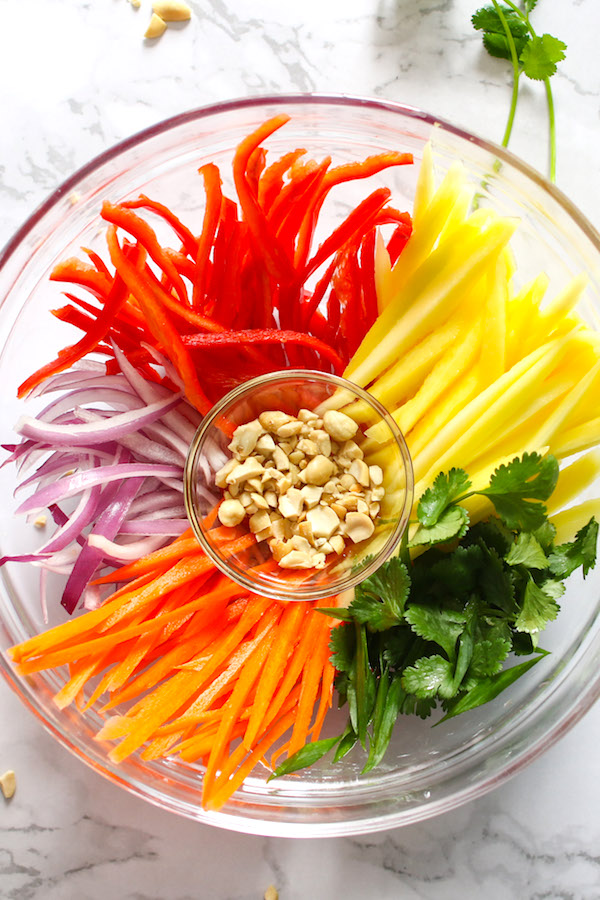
<point>552,130</point>
<point>516,74</point>
<point>549,96</point>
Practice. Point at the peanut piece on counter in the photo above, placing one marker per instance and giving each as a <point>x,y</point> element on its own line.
<point>8,784</point>
<point>156,27</point>
<point>172,10</point>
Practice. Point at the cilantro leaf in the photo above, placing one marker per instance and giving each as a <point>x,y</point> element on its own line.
<point>495,40</point>
<point>527,551</point>
<point>451,524</point>
<point>565,558</point>
<point>540,55</point>
<point>444,490</point>
<point>430,676</point>
<point>538,609</point>
<point>342,644</point>
<point>305,756</point>
<point>490,652</point>
<point>515,485</point>
<point>487,689</point>
<point>379,601</point>
<point>434,623</point>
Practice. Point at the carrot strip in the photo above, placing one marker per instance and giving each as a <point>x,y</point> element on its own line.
<point>245,682</point>
<point>287,636</point>
<point>311,680</point>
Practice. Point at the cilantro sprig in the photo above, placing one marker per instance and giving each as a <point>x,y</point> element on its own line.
<point>509,34</point>
<point>438,630</point>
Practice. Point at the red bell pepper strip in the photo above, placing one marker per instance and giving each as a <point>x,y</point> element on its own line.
<point>276,260</point>
<point>159,323</point>
<point>271,180</point>
<point>263,336</point>
<point>101,327</point>
<point>212,213</point>
<point>146,237</point>
<point>347,172</point>
<point>356,224</point>
<point>75,271</point>
<point>182,231</point>
<point>367,267</point>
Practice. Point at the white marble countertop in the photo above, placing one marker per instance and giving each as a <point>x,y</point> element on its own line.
<point>76,77</point>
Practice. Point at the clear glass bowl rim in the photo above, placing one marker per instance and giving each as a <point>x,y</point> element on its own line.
<point>267,588</point>
<point>466,789</point>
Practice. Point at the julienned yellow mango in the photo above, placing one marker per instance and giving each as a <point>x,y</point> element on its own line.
<point>569,521</point>
<point>532,382</point>
<point>574,479</point>
<point>435,291</point>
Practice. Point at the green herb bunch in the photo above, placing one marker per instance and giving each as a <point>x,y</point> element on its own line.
<point>509,34</point>
<point>435,626</point>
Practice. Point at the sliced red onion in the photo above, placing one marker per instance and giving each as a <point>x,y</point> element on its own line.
<point>170,527</point>
<point>118,500</point>
<point>72,485</point>
<point>99,432</point>
<point>125,552</point>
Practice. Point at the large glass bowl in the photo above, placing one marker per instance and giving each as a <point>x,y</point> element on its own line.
<point>427,770</point>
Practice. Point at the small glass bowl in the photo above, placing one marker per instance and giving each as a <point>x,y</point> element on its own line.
<point>290,391</point>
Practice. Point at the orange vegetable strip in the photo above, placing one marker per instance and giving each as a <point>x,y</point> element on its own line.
<point>162,703</point>
<point>223,789</point>
<point>112,611</point>
<point>212,213</point>
<point>173,551</point>
<point>311,680</point>
<point>325,703</point>
<point>159,323</point>
<point>276,260</point>
<point>288,634</point>
<point>247,678</point>
<point>227,642</point>
<point>119,673</point>
<point>198,636</point>
<point>198,708</point>
<point>145,236</point>
<point>199,744</point>
<point>98,645</point>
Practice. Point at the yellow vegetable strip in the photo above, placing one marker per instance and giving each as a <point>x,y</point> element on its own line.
<point>447,406</point>
<point>404,378</point>
<point>569,521</point>
<point>574,480</point>
<point>578,438</point>
<point>493,350</point>
<point>424,237</point>
<point>425,188</point>
<point>519,311</point>
<point>568,406</point>
<point>465,434</point>
<point>383,268</point>
<point>438,287</point>
<point>450,367</point>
